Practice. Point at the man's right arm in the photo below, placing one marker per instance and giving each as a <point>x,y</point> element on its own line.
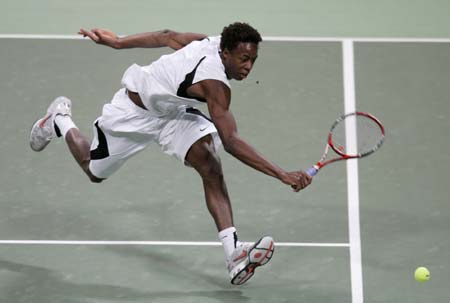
<point>169,38</point>
<point>218,99</point>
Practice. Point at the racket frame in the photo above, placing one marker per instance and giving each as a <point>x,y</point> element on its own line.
<point>312,171</point>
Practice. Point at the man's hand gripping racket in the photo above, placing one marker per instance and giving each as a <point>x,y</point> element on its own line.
<point>365,134</point>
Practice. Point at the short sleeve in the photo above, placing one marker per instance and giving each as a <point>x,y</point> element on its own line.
<point>211,68</point>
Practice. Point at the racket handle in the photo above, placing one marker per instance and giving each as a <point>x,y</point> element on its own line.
<point>312,171</point>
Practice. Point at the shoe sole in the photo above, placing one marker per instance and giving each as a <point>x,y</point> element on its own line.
<point>36,124</point>
<point>260,254</point>
<point>51,110</point>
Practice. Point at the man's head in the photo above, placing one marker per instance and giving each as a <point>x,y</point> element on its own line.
<point>239,49</point>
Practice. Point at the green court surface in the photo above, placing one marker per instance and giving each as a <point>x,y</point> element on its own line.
<point>141,274</point>
<point>311,18</point>
<point>284,109</point>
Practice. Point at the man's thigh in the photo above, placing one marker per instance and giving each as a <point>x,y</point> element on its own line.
<point>181,133</point>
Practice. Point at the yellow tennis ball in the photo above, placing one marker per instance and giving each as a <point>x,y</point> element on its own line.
<point>422,274</point>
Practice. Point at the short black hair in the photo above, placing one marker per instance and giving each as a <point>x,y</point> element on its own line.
<point>238,32</point>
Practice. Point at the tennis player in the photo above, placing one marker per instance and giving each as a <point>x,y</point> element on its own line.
<point>158,104</point>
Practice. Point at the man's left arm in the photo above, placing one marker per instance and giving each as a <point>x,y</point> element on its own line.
<point>169,38</point>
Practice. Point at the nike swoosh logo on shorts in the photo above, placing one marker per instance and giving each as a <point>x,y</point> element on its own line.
<point>202,129</point>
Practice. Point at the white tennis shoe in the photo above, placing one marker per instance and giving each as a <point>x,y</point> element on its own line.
<point>43,130</point>
<point>247,257</point>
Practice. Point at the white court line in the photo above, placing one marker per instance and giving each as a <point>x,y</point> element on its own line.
<point>265,38</point>
<point>352,175</point>
<point>159,243</point>
<point>355,39</point>
<point>49,37</point>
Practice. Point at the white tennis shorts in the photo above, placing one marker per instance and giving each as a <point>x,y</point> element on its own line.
<point>125,129</point>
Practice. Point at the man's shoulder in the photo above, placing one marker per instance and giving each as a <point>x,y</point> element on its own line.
<point>206,47</point>
<point>211,67</point>
<point>213,39</point>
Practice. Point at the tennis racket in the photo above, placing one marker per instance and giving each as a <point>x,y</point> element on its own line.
<point>365,134</point>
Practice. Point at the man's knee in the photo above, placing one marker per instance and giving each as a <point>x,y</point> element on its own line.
<point>93,178</point>
<point>211,168</point>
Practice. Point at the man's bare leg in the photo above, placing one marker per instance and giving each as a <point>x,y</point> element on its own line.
<point>242,258</point>
<point>79,146</point>
<point>205,161</point>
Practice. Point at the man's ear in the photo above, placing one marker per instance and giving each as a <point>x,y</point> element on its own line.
<point>226,53</point>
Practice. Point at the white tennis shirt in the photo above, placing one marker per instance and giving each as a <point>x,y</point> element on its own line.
<point>162,85</point>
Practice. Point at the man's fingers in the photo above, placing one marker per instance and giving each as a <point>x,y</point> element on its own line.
<point>300,184</point>
<point>99,32</point>
<point>82,32</point>
<point>92,35</point>
<point>299,180</point>
<point>96,31</point>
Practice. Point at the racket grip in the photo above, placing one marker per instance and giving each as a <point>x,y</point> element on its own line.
<point>312,171</point>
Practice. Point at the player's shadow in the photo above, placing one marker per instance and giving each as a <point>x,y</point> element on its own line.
<point>169,265</point>
<point>38,284</point>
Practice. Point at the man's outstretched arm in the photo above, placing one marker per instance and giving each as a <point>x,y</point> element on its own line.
<point>169,38</point>
<point>218,98</point>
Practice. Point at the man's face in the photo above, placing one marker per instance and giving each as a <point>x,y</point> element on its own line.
<point>239,61</point>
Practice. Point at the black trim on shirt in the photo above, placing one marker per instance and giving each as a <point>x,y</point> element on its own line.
<point>182,89</point>
<point>195,111</point>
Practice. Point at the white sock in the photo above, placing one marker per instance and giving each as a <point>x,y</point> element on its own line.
<point>64,124</point>
<point>228,237</point>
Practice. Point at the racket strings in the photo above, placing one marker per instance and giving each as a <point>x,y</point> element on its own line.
<point>338,137</point>
<point>368,132</point>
